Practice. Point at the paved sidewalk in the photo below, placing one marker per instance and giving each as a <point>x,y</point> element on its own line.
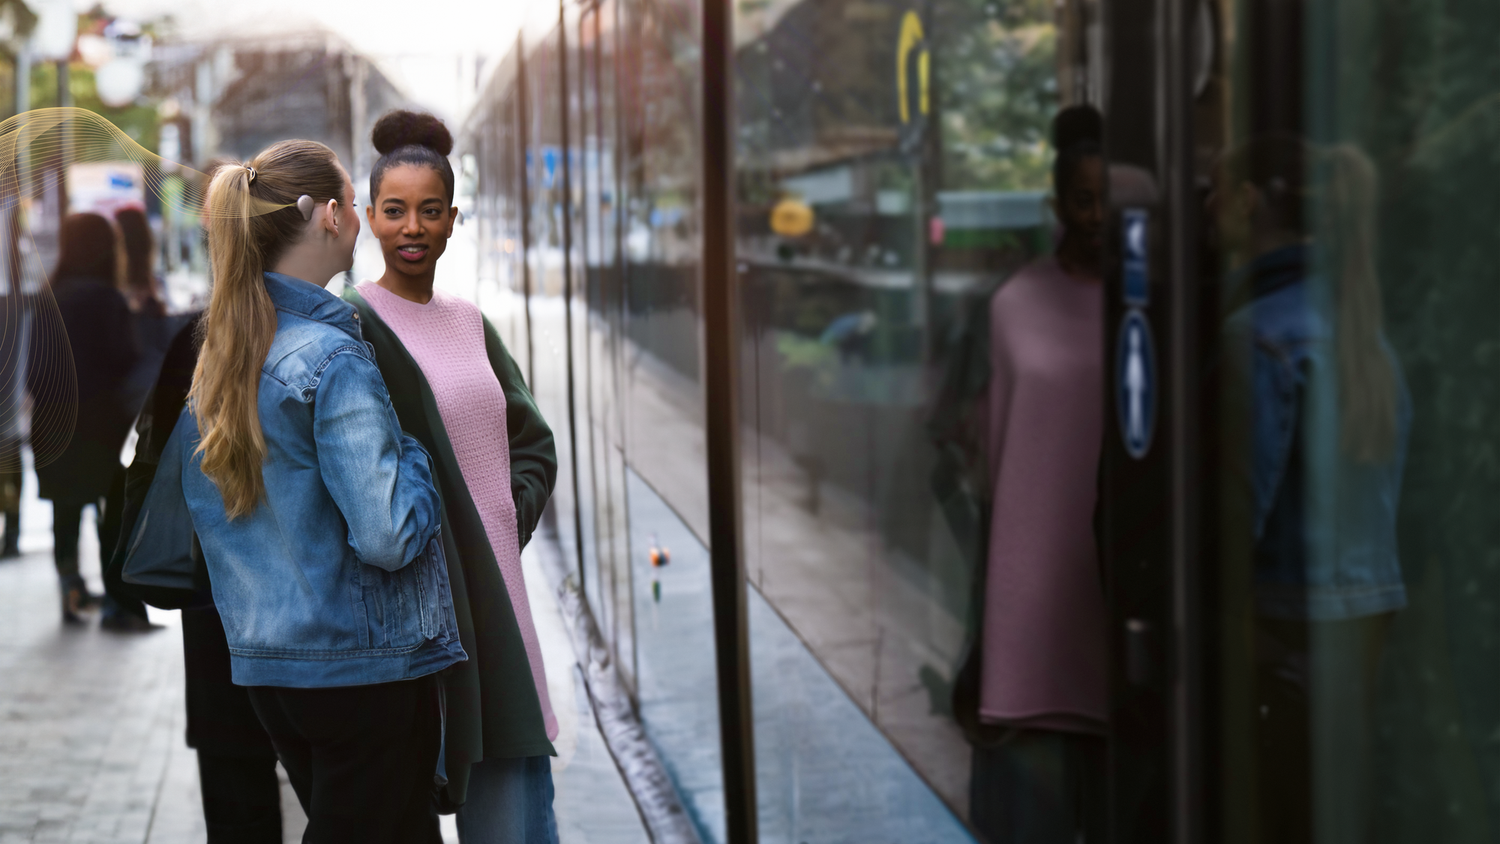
<point>91,723</point>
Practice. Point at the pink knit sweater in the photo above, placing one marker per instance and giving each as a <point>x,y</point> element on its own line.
<point>1045,660</point>
<point>446,339</point>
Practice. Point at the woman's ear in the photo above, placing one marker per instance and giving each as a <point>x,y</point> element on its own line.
<point>370,213</point>
<point>454,218</point>
<point>331,217</point>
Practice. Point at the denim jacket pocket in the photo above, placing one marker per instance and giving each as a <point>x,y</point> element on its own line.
<point>390,603</point>
<point>434,592</point>
<point>411,605</point>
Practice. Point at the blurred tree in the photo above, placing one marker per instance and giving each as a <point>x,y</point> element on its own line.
<point>995,71</point>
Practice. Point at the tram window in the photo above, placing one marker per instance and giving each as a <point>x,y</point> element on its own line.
<point>894,172</point>
<point>665,486</point>
<point>1354,393</point>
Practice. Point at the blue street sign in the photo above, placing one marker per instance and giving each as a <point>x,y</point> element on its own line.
<point>1136,241</point>
<point>550,157</point>
<point>1135,383</point>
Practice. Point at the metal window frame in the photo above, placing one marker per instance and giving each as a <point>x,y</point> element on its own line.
<point>721,322</point>
<point>523,128</point>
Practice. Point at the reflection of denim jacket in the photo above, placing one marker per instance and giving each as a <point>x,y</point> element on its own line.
<point>337,577</point>
<point>1324,524</point>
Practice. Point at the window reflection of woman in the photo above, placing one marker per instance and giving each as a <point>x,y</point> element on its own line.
<point>456,388</point>
<point>1043,677</point>
<point>1319,417</point>
<point>1078,191</point>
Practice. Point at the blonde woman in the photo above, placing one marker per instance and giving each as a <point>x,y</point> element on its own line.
<point>316,514</point>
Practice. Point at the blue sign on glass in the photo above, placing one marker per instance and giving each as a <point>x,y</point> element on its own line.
<point>1135,383</point>
<point>1136,238</point>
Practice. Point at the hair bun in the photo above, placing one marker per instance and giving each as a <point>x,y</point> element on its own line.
<point>403,128</point>
<point>1075,125</point>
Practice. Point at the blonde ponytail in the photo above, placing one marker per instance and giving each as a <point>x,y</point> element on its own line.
<point>1367,379</point>
<point>253,218</point>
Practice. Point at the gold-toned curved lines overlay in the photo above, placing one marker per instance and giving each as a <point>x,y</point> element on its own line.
<point>36,148</point>
<point>911,37</point>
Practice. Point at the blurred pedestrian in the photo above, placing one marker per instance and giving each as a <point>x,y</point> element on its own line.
<point>104,349</point>
<point>13,317</point>
<point>154,330</point>
<point>236,762</point>
<point>154,327</point>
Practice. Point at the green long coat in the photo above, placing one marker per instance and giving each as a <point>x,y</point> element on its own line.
<point>492,705</point>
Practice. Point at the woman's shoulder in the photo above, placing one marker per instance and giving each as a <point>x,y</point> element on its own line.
<point>1025,284</point>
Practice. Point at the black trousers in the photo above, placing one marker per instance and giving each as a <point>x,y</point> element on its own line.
<point>236,763</point>
<point>10,453</point>
<point>12,531</point>
<point>67,521</point>
<point>361,758</point>
<point>241,798</point>
<point>1316,687</point>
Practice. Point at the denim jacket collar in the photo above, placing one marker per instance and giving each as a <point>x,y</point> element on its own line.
<point>289,293</point>
<point>1270,272</point>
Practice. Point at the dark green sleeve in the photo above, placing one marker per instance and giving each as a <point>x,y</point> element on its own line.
<point>533,452</point>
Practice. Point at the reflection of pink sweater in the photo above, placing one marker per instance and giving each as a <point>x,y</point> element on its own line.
<point>1044,620</point>
<point>446,339</point>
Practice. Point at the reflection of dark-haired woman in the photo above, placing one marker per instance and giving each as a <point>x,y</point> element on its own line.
<point>1043,678</point>
<point>1323,414</point>
<point>104,348</point>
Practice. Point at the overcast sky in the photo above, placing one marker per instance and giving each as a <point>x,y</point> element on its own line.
<point>428,48</point>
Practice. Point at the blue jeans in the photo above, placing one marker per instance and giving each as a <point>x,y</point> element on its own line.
<point>509,802</point>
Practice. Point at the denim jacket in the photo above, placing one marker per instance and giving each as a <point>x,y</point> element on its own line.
<point>337,577</point>
<point>1324,524</point>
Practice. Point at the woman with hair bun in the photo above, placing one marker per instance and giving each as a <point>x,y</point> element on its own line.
<point>1043,697</point>
<point>455,387</point>
<point>316,515</point>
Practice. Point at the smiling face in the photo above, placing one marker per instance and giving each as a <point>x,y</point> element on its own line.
<point>412,220</point>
